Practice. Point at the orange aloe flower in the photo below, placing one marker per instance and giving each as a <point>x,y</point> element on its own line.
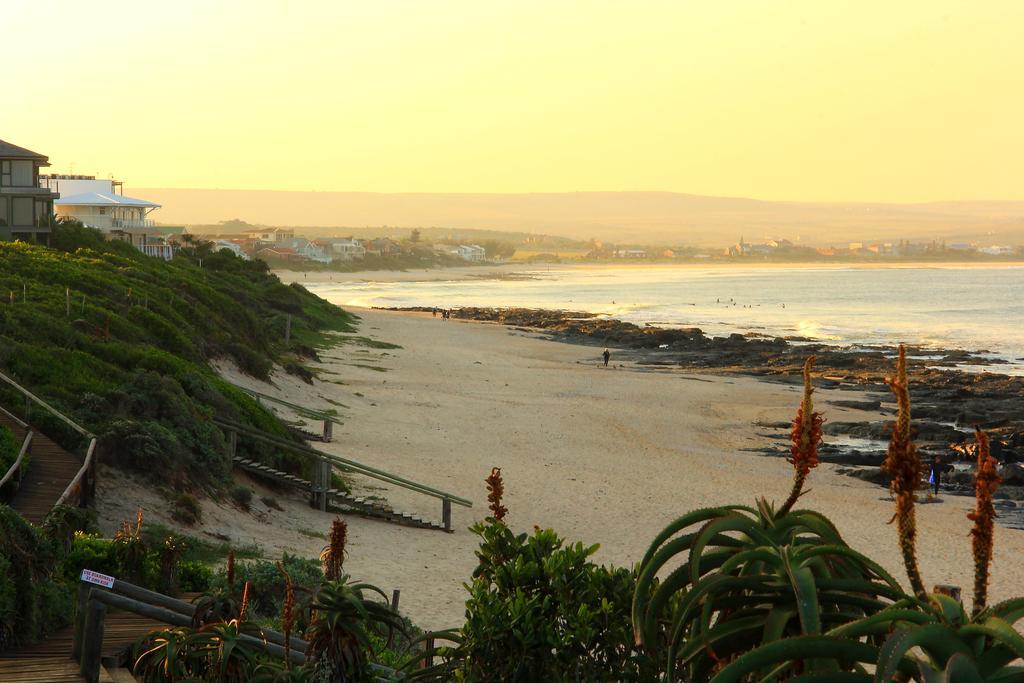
<point>495,490</point>
<point>904,467</point>
<point>986,481</point>
<point>806,436</point>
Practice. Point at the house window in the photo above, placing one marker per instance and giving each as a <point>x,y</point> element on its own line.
<point>42,213</point>
<point>5,173</point>
<point>4,211</point>
<point>21,173</point>
<point>22,217</point>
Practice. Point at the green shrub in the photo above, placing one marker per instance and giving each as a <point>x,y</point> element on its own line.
<point>33,600</point>
<point>9,448</point>
<point>267,587</point>
<point>242,495</point>
<point>187,509</point>
<point>540,610</point>
<point>194,576</point>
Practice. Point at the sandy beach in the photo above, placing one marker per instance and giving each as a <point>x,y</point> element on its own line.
<point>602,455</point>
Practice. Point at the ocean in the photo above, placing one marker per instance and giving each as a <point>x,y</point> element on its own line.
<point>947,307</point>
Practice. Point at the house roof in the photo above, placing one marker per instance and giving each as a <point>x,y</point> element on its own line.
<point>9,151</point>
<point>100,199</point>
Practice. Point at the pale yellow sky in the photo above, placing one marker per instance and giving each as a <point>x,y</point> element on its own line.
<point>802,100</point>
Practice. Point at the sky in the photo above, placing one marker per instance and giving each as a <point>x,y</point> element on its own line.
<point>805,100</point>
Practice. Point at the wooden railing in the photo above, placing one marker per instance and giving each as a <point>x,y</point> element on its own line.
<point>16,470</point>
<point>93,600</point>
<point>346,465</point>
<point>302,411</point>
<point>83,485</point>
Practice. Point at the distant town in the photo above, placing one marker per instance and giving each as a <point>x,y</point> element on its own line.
<point>32,203</point>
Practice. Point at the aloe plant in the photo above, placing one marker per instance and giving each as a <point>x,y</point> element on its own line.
<point>343,617</point>
<point>746,576</point>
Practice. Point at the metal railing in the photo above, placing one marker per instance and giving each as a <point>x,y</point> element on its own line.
<point>84,481</point>
<point>302,411</point>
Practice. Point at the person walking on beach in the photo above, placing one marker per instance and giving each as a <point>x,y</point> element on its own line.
<point>606,355</point>
<point>935,474</point>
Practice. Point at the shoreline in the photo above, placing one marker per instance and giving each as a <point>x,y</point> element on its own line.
<point>506,270</point>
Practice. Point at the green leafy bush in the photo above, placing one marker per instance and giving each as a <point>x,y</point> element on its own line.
<point>194,576</point>
<point>187,509</point>
<point>540,610</point>
<point>33,601</point>
<point>267,586</point>
<point>242,494</point>
<point>9,448</point>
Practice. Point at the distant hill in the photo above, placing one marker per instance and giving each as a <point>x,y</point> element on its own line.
<point>636,217</point>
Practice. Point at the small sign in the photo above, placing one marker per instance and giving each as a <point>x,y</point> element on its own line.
<point>89,576</point>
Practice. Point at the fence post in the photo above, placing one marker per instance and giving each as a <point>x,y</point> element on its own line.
<point>321,484</point>
<point>328,430</point>
<point>232,443</point>
<point>395,594</point>
<point>92,641</point>
<point>446,513</point>
<point>288,329</point>
<point>82,605</point>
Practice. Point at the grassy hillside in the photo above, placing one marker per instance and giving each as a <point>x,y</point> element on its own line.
<point>129,358</point>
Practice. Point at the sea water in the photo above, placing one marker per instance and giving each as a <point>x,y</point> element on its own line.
<point>943,307</point>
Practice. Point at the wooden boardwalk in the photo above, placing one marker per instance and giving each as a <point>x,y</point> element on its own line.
<point>50,661</point>
<point>50,470</point>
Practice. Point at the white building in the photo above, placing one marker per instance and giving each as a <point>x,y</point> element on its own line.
<point>273,235</point>
<point>995,250</point>
<point>98,203</point>
<point>348,250</point>
<point>472,252</point>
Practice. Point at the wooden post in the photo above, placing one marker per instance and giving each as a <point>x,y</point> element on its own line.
<point>395,594</point>
<point>328,430</point>
<point>950,590</point>
<point>82,605</point>
<point>321,484</point>
<point>67,302</point>
<point>92,641</point>
<point>288,329</point>
<point>83,304</point>
<point>428,653</point>
<point>446,513</point>
<point>232,443</point>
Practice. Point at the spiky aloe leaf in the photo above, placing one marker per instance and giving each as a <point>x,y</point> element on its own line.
<point>959,669</point>
<point>937,640</point>
<point>731,522</point>
<point>688,520</point>
<point>799,648</point>
<point>882,622</point>
<point>999,631</point>
<point>806,595</point>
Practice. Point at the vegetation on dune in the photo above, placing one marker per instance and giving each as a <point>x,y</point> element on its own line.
<point>123,342</point>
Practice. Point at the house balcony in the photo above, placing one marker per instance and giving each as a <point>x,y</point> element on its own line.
<point>129,224</point>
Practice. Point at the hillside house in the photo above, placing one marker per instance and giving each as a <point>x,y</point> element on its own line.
<point>26,208</point>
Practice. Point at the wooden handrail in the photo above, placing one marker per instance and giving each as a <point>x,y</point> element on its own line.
<point>345,463</point>
<point>21,423</point>
<point>90,456</point>
<point>301,410</point>
<point>56,413</point>
<point>26,444</point>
